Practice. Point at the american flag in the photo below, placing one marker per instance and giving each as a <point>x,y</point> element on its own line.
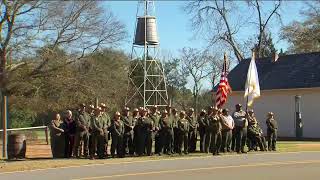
<point>224,88</point>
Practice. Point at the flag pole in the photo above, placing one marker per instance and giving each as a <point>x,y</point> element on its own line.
<point>225,62</point>
<point>249,79</point>
<point>224,68</point>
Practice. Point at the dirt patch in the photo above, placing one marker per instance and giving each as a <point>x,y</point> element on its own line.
<point>36,151</point>
<point>309,145</point>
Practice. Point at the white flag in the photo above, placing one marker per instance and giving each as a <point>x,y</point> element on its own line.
<point>252,89</point>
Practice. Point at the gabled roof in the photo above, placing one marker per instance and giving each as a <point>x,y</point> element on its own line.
<point>288,72</point>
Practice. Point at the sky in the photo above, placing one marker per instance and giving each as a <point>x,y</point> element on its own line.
<point>175,31</point>
<point>174,28</point>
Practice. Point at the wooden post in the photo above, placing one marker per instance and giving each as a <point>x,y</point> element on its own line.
<point>46,131</point>
<point>4,127</point>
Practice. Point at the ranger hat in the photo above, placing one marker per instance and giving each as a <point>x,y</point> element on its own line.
<point>126,108</point>
<point>203,111</point>
<point>135,110</point>
<point>91,106</point>
<point>225,110</point>
<point>117,113</point>
<point>145,109</point>
<point>215,108</point>
<point>191,109</point>
<point>103,105</point>
<point>270,113</point>
<point>98,108</point>
<point>182,112</point>
<point>164,112</point>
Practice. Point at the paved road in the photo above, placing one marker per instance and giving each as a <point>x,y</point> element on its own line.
<point>284,166</point>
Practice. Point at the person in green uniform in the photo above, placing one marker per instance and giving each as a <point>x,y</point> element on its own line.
<point>255,135</point>
<point>171,119</point>
<point>144,128</point>
<point>57,137</point>
<point>192,136</point>
<point>149,129</point>
<point>165,133</point>
<point>105,117</point>
<point>98,126</point>
<point>182,135</point>
<point>90,111</point>
<point>155,119</point>
<point>82,132</point>
<point>175,119</point>
<point>272,128</point>
<point>214,127</point>
<point>135,117</point>
<point>251,141</point>
<point>117,132</point>
<point>202,129</point>
<point>128,132</point>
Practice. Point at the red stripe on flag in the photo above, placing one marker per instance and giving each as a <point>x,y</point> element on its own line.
<point>223,87</point>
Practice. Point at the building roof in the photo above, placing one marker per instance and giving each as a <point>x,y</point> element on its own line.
<point>288,72</point>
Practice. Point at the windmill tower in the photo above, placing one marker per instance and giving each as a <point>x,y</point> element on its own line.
<point>147,83</point>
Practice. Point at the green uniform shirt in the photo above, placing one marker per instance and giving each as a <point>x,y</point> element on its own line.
<point>192,123</point>
<point>214,123</point>
<point>106,118</point>
<point>117,128</point>
<point>128,123</point>
<point>144,124</point>
<point>155,118</point>
<point>174,120</point>
<point>165,123</point>
<point>183,125</point>
<point>83,121</point>
<point>202,121</point>
<point>255,130</point>
<point>98,124</point>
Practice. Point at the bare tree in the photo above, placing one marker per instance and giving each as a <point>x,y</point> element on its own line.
<point>77,27</point>
<point>15,30</point>
<point>215,15</point>
<point>197,65</point>
<point>263,20</point>
<point>219,18</point>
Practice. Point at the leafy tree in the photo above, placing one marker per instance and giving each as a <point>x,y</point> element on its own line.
<point>176,78</point>
<point>304,36</point>
<point>267,48</point>
<point>102,74</point>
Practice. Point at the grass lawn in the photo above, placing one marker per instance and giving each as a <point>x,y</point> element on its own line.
<point>29,164</point>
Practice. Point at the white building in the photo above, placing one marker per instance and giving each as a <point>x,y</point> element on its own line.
<point>281,79</point>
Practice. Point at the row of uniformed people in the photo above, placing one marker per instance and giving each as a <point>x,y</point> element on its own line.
<point>219,132</point>
<point>87,132</point>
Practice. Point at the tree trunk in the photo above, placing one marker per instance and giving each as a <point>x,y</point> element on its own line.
<point>3,62</point>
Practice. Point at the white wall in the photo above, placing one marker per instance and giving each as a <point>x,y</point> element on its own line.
<point>282,103</point>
